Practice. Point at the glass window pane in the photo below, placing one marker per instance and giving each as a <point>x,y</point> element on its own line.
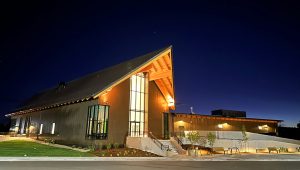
<point>143,85</point>
<point>132,101</point>
<point>142,101</point>
<point>137,118</point>
<point>106,113</point>
<point>142,117</point>
<point>132,116</point>
<point>133,85</point>
<point>138,84</point>
<point>138,101</point>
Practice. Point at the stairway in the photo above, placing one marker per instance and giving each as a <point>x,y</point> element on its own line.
<point>171,147</point>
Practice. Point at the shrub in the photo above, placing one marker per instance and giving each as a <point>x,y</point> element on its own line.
<point>108,146</point>
<point>116,145</point>
<point>92,147</point>
<point>100,146</point>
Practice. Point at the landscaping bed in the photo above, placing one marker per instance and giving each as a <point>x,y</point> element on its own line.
<point>122,152</point>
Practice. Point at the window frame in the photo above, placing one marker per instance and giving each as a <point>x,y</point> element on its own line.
<point>96,129</point>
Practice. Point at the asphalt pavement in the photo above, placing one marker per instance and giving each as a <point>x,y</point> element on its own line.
<point>147,165</point>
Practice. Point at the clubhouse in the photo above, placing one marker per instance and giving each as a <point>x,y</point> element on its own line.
<point>130,99</point>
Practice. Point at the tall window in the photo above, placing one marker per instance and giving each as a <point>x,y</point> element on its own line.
<point>138,104</point>
<point>41,129</point>
<point>53,128</point>
<point>97,122</point>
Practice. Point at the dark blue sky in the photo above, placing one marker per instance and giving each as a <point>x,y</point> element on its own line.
<point>227,54</point>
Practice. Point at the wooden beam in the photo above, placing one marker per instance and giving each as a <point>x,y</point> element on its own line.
<point>162,64</point>
<point>156,66</point>
<point>146,69</point>
<point>160,75</point>
<point>167,61</point>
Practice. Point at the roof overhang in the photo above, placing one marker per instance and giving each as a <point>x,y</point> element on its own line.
<point>226,118</point>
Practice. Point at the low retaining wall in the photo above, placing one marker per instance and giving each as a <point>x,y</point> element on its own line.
<point>145,144</point>
<point>229,139</point>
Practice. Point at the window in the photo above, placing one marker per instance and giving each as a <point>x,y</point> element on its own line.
<point>138,104</point>
<point>53,128</point>
<point>97,122</point>
<point>41,129</point>
<point>27,124</point>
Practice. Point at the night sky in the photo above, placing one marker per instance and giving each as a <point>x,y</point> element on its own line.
<point>227,54</point>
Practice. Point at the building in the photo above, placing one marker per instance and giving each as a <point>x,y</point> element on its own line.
<point>190,122</point>
<point>128,99</point>
<point>228,113</point>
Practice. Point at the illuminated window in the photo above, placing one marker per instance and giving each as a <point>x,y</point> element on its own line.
<point>138,104</point>
<point>53,128</point>
<point>97,123</point>
<point>41,129</point>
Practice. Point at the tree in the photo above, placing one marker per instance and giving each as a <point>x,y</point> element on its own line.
<point>244,134</point>
<point>298,125</point>
<point>194,137</point>
<point>245,137</point>
<point>211,138</point>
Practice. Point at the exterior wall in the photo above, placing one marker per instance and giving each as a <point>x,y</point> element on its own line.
<point>157,106</point>
<point>190,122</point>
<point>70,123</point>
<point>118,100</point>
<point>71,120</point>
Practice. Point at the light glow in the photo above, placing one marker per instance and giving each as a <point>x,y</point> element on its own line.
<point>171,101</point>
<point>220,126</point>
<point>53,128</point>
<point>41,129</point>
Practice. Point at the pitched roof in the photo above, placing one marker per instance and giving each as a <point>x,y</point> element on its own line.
<point>90,85</point>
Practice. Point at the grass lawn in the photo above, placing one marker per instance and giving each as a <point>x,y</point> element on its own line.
<point>16,148</point>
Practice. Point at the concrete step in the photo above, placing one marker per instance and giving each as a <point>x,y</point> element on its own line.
<point>171,147</point>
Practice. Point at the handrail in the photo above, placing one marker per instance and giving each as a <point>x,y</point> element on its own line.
<point>158,143</point>
<point>177,139</point>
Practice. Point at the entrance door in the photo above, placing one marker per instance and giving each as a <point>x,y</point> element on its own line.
<point>166,126</point>
<point>134,129</point>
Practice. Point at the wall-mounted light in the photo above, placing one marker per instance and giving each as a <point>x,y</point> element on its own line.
<point>171,101</point>
<point>222,125</point>
<point>263,127</point>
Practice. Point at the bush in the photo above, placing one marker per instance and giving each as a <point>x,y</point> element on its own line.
<point>92,147</point>
<point>100,146</point>
<point>116,145</point>
<point>108,146</point>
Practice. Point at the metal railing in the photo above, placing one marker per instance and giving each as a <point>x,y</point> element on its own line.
<point>158,143</point>
<point>177,139</point>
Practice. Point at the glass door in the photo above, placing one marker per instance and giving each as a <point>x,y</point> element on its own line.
<point>166,126</point>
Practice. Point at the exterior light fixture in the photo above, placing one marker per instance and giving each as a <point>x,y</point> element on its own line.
<point>260,127</point>
<point>170,101</point>
<point>220,126</point>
